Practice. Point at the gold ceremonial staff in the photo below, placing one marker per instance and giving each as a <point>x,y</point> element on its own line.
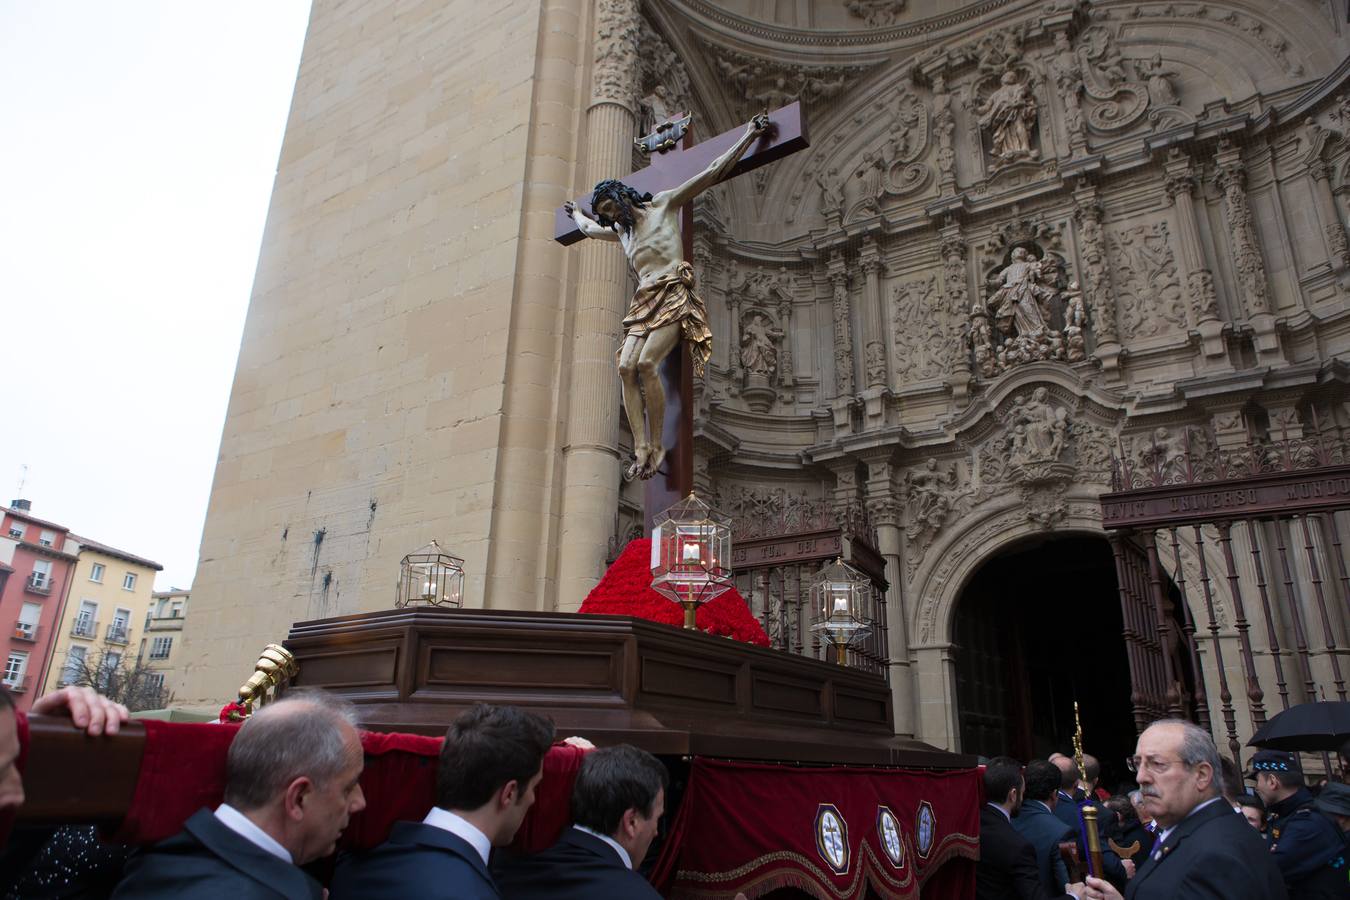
<point>1094,841</point>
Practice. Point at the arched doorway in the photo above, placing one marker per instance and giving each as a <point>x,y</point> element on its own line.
<point>1037,627</point>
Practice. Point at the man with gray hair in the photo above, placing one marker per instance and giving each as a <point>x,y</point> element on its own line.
<point>292,781</point>
<point>1204,849</point>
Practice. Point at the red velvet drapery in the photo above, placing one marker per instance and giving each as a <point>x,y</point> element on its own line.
<point>833,832</point>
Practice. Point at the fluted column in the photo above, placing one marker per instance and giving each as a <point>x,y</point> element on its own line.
<point>840,312</point>
<point>591,457</point>
<point>1180,185</point>
<point>956,296</point>
<point>874,338</point>
<point>883,508</point>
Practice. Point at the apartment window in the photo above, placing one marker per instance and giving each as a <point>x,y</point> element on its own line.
<point>117,631</point>
<point>42,573</point>
<point>129,581</point>
<point>96,573</point>
<point>47,538</point>
<point>176,610</point>
<point>155,681</point>
<point>26,627</point>
<point>86,620</point>
<point>16,529</point>
<point>15,667</point>
<point>160,647</point>
<point>74,664</point>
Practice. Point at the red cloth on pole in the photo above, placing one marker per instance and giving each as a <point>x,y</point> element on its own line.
<point>836,833</point>
<point>183,769</point>
<point>626,590</point>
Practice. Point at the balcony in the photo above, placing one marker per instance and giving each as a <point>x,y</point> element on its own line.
<point>118,633</point>
<point>25,631</point>
<point>16,685</point>
<point>84,628</point>
<point>40,586</point>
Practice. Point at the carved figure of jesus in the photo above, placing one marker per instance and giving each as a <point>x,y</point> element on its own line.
<point>665,309</point>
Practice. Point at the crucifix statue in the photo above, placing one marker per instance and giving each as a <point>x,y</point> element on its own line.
<point>649,214</point>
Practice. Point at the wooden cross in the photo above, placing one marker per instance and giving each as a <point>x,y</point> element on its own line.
<point>670,168</point>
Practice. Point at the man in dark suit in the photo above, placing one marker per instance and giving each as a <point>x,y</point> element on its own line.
<point>292,780</point>
<point>1068,807</point>
<point>1007,867</point>
<point>489,766</point>
<point>1037,822</point>
<point>617,801</point>
<point>1205,850</point>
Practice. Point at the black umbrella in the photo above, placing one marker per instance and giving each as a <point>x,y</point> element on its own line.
<point>1308,726</point>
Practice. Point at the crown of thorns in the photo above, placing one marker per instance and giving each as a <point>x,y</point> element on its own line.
<point>613,189</point>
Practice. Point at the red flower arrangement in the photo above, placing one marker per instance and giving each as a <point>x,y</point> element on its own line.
<point>626,590</point>
<point>233,711</point>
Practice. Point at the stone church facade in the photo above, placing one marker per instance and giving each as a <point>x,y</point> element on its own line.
<point>1028,236</point>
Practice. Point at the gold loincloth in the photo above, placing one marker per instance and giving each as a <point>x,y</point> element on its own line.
<point>668,300</point>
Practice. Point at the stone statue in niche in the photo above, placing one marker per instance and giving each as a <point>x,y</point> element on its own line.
<point>1008,116</point>
<point>759,345</point>
<point>1017,303</point>
<point>1033,313</point>
<point>1157,78</point>
<point>831,197</point>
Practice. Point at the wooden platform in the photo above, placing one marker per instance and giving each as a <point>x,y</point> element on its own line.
<point>611,679</point>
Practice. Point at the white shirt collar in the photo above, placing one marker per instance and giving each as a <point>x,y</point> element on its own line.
<point>1162,835</point>
<point>618,848</point>
<point>460,827</point>
<point>1007,815</point>
<point>246,828</point>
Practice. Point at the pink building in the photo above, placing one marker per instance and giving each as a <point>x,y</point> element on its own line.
<point>35,574</point>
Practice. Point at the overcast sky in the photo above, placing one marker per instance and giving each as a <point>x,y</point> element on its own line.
<point>140,145</point>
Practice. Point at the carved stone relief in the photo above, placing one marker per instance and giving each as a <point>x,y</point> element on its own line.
<point>1008,114</point>
<point>1110,81</point>
<point>1274,42</point>
<point>920,325</point>
<point>1147,286</point>
<point>758,512</point>
<point>932,497</point>
<point>876,12</point>
<point>843,329</point>
<point>664,89</point>
<point>756,84</point>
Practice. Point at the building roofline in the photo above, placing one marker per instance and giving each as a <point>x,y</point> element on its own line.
<point>29,517</point>
<point>115,553</point>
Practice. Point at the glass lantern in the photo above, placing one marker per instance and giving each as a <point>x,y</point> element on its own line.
<point>430,577</point>
<point>841,605</point>
<point>691,555</point>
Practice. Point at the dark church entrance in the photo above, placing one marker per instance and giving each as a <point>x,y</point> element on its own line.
<point>1037,628</point>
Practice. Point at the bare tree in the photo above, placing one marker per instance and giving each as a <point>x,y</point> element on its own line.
<point>119,676</point>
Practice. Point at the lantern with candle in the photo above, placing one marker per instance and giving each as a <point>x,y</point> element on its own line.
<point>841,604</point>
<point>691,555</point>
<point>430,577</point>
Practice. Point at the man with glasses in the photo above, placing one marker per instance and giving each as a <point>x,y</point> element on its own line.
<point>1204,849</point>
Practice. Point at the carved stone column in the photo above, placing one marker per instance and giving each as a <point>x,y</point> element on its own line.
<point>843,346</point>
<point>956,291</point>
<point>1069,80</point>
<point>883,508</point>
<point>1338,247</point>
<point>1181,184</point>
<point>1097,281</point>
<point>874,336</point>
<point>944,124</point>
<point>1248,265</point>
<point>591,457</point>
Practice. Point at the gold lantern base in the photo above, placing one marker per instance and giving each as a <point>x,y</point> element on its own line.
<point>690,614</point>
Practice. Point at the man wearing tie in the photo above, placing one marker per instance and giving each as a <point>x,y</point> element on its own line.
<point>1205,850</point>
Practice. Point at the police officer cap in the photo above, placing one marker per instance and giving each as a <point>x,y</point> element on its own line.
<point>1274,761</point>
<point>1334,799</point>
